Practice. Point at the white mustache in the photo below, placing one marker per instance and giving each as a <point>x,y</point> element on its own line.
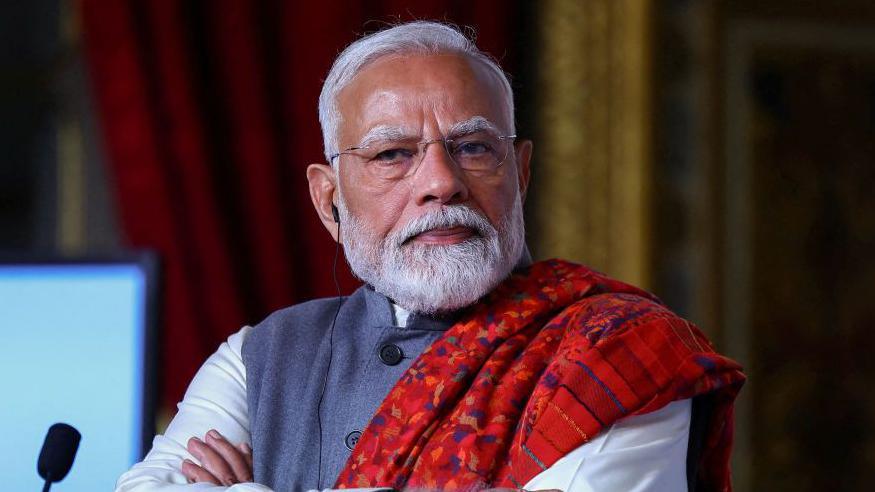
<point>444,218</point>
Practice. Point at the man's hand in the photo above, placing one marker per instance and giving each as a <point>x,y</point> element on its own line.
<point>222,463</point>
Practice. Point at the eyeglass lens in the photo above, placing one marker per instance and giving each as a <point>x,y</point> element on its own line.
<point>476,152</point>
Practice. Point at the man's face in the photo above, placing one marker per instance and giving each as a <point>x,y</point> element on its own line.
<point>439,214</point>
<point>424,96</point>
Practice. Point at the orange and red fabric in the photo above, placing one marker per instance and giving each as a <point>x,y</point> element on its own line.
<point>550,359</point>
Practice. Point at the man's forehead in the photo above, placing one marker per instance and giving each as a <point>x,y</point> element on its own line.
<point>415,90</point>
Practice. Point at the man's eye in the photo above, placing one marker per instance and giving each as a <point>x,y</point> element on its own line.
<point>391,156</point>
<point>473,148</point>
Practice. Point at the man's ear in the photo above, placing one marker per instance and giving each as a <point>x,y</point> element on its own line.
<point>523,151</point>
<point>323,184</point>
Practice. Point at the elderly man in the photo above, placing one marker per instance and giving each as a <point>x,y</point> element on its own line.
<point>460,364</point>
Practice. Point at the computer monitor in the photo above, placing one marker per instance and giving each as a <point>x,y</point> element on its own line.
<point>78,346</point>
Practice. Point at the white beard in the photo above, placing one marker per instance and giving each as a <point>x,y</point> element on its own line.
<point>430,278</point>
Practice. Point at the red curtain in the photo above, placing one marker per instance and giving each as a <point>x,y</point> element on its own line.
<point>208,116</point>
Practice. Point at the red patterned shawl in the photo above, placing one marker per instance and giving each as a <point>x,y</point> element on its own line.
<point>553,356</point>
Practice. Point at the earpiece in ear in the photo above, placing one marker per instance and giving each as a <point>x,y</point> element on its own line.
<point>335,213</point>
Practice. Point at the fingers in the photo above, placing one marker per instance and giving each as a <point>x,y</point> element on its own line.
<point>212,462</point>
<point>220,459</point>
<point>195,473</point>
<point>238,458</point>
<point>247,453</point>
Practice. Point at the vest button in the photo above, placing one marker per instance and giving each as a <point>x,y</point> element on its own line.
<point>391,354</point>
<point>352,439</point>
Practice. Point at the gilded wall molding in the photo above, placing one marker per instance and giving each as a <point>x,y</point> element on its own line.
<point>592,135</point>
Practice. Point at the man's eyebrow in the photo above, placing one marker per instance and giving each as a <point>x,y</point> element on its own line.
<point>382,133</point>
<point>471,125</point>
<point>385,132</point>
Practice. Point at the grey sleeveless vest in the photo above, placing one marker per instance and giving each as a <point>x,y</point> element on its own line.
<point>286,358</point>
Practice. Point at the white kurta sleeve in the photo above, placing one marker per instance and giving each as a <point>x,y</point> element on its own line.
<point>215,399</point>
<point>642,453</point>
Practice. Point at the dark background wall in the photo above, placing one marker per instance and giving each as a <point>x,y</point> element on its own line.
<point>29,40</point>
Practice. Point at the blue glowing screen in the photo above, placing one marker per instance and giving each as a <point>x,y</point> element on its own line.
<point>72,339</point>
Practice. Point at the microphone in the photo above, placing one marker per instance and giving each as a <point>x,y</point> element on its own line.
<point>56,456</point>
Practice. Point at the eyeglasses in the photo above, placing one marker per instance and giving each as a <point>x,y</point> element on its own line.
<point>479,152</point>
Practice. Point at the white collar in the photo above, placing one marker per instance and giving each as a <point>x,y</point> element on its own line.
<point>401,315</point>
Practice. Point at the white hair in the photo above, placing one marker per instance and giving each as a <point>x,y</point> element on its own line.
<point>418,37</point>
<point>431,279</point>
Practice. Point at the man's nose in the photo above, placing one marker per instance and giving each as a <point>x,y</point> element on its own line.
<point>438,178</point>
